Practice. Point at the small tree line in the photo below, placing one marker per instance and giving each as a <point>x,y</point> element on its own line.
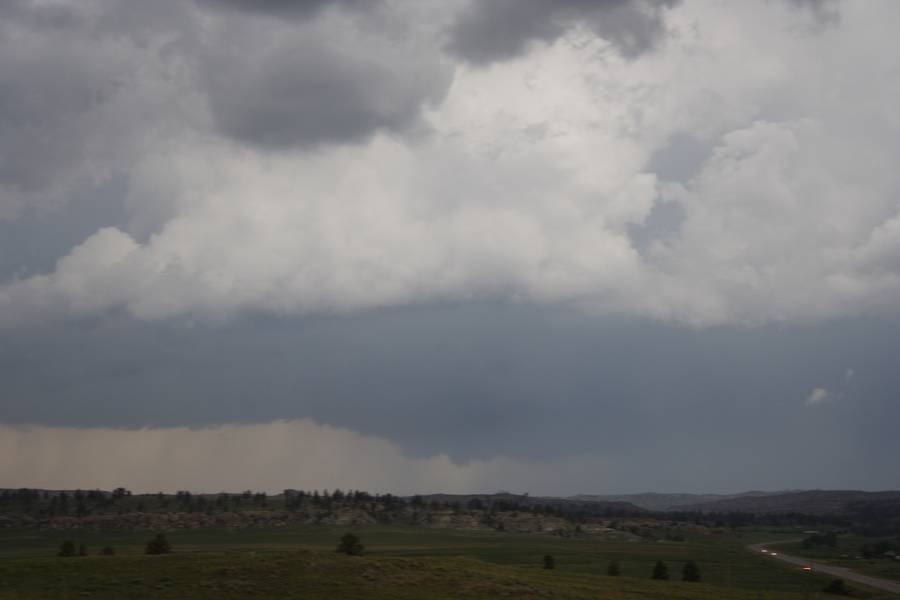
<point>689,572</point>
<point>868,518</point>
<point>159,544</point>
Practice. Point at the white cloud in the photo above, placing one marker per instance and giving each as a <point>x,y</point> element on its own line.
<point>818,396</point>
<point>523,183</point>
<point>269,456</point>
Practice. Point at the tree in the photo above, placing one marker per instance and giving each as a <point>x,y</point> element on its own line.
<point>660,570</point>
<point>350,544</point>
<point>613,569</point>
<point>108,551</point>
<point>82,550</point>
<point>837,587</point>
<point>690,572</point>
<point>67,548</point>
<point>549,561</point>
<point>158,545</point>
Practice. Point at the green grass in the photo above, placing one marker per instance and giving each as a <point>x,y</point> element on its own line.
<point>400,562</point>
<point>301,574</point>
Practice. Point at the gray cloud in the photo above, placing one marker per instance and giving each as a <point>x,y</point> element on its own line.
<point>301,9</point>
<point>80,85</point>
<point>48,93</point>
<point>825,12</point>
<point>49,15</point>
<point>308,89</point>
<point>321,77</point>
<point>503,29</point>
<point>34,241</point>
<point>680,159</point>
<point>86,86</point>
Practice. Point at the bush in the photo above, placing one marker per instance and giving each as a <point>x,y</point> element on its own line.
<point>67,548</point>
<point>82,550</point>
<point>877,549</point>
<point>108,551</point>
<point>613,569</point>
<point>837,587</point>
<point>827,539</point>
<point>660,570</point>
<point>350,544</point>
<point>158,545</point>
<point>690,572</point>
<point>549,561</point>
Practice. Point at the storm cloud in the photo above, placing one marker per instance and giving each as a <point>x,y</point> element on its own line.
<point>318,85</point>
<point>347,164</point>
<point>492,31</point>
<point>301,9</point>
<point>717,179</point>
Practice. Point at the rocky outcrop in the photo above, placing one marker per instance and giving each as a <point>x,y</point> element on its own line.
<point>530,523</point>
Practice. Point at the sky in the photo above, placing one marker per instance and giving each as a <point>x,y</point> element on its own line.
<point>418,246</point>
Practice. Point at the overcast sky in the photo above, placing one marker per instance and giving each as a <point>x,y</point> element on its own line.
<point>579,246</point>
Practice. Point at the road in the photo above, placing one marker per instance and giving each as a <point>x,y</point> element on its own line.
<point>874,582</point>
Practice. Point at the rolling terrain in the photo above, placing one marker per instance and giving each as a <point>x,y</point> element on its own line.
<point>810,502</point>
<point>661,502</point>
<point>298,560</point>
<point>445,546</point>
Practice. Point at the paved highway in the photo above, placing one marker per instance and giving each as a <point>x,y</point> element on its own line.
<point>882,584</point>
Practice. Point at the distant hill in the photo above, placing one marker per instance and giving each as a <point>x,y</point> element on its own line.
<point>665,502</point>
<point>851,503</point>
<point>809,502</point>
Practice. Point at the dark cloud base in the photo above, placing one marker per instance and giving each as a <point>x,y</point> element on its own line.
<point>479,381</point>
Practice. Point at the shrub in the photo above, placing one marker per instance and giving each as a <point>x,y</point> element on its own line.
<point>67,548</point>
<point>108,551</point>
<point>613,569</point>
<point>158,545</point>
<point>660,570</point>
<point>350,544</point>
<point>549,561</point>
<point>837,587</point>
<point>690,572</point>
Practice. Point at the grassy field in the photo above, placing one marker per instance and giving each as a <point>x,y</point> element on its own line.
<point>845,555</point>
<point>400,562</point>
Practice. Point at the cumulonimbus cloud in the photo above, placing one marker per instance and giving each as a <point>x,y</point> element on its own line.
<point>523,181</point>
